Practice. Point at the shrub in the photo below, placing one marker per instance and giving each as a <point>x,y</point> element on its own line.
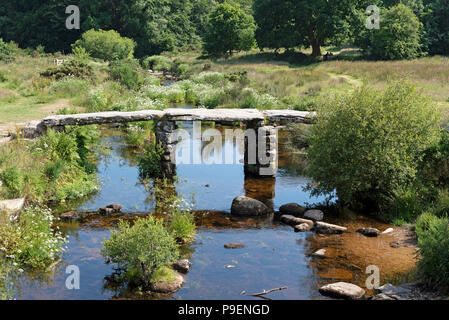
<point>140,249</point>
<point>126,75</point>
<point>106,45</point>
<point>182,224</point>
<point>368,144</point>
<point>12,182</point>
<point>31,241</point>
<point>7,51</point>
<point>157,63</point>
<point>433,241</point>
<point>71,68</point>
<point>69,87</point>
<point>150,161</point>
<point>399,36</point>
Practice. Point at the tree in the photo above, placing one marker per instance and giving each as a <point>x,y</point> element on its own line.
<point>436,23</point>
<point>399,36</point>
<point>367,145</point>
<point>275,24</point>
<point>229,28</point>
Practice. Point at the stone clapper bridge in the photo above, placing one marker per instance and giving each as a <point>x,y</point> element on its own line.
<point>262,122</point>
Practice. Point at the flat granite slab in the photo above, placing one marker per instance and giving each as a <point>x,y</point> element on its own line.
<point>101,117</point>
<point>12,205</point>
<point>285,116</point>
<point>218,115</point>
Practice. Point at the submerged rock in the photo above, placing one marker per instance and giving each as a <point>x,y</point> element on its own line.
<point>110,209</point>
<point>293,209</point>
<point>168,286</point>
<point>342,290</point>
<point>245,206</point>
<point>327,228</point>
<point>234,246</point>
<point>369,232</point>
<point>390,290</point>
<point>72,215</point>
<point>182,265</point>
<point>315,215</point>
<point>294,221</point>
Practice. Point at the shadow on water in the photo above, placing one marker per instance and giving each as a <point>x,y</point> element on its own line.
<point>273,256</point>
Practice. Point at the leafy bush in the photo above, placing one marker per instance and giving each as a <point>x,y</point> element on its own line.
<point>433,241</point>
<point>157,63</point>
<point>71,68</point>
<point>69,87</point>
<point>7,51</point>
<point>434,167</point>
<point>31,241</point>
<point>150,161</point>
<point>12,182</point>
<point>140,249</point>
<point>399,36</point>
<point>182,224</point>
<point>106,45</point>
<point>368,144</point>
<point>126,75</point>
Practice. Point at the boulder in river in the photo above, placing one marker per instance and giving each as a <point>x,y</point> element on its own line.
<point>293,209</point>
<point>294,221</point>
<point>369,232</point>
<point>389,230</point>
<point>319,253</point>
<point>327,228</point>
<point>342,290</point>
<point>314,215</point>
<point>245,206</point>
<point>110,209</point>
<point>182,265</point>
<point>234,246</point>
<point>168,287</point>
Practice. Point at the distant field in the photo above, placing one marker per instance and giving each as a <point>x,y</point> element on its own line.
<point>25,96</point>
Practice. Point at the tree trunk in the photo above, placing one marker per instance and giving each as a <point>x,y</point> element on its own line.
<point>316,48</point>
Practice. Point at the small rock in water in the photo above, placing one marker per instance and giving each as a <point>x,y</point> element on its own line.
<point>234,246</point>
<point>382,296</point>
<point>319,253</point>
<point>369,232</point>
<point>327,228</point>
<point>245,206</point>
<point>395,244</point>
<point>293,209</point>
<point>168,287</point>
<point>343,290</point>
<point>303,227</point>
<point>182,265</point>
<point>230,266</point>
<point>389,230</point>
<point>72,215</point>
<point>314,215</point>
<point>110,209</point>
<point>207,185</point>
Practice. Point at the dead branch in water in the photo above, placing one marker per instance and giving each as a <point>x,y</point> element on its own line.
<point>264,292</point>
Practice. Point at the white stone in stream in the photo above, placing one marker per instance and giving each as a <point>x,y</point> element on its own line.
<point>12,205</point>
<point>391,290</point>
<point>389,230</point>
<point>327,228</point>
<point>343,290</point>
<point>303,227</point>
<point>294,221</point>
<point>315,215</point>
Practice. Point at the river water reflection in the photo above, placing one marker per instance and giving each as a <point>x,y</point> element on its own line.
<point>273,256</point>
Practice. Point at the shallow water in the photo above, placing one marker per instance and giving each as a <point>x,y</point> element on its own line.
<point>273,256</point>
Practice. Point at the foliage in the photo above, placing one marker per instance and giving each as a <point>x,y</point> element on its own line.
<point>150,161</point>
<point>140,249</point>
<point>368,144</point>
<point>12,181</point>
<point>106,45</point>
<point>7,51</point>
<point>126,75</point>
<point>157,63</point>
<point>182,224</point>
<point>29,240</point>
<point>229,29</point>
<point>433,241</point>
<point>71,68</point>
<point>437,26</point>
<point>399,36</point>
<point>6,282</point>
